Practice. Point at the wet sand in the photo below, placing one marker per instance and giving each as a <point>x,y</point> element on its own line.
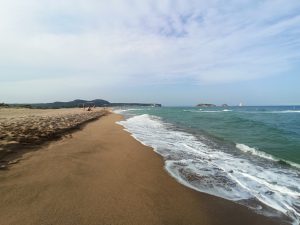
<point>101,175</point>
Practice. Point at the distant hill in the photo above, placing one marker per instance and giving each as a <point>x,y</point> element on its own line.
<point>80,103</point>
<point>70,104</point>
<point>3,105</point>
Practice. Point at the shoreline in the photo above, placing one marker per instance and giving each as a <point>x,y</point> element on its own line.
<point>102,175</point>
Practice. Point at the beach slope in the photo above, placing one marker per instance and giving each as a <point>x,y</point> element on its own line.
<point>104,176</point>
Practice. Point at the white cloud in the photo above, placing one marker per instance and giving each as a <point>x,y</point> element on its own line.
<point>148,41</point>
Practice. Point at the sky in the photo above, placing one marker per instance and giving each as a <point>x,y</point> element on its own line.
<point>174,52</point>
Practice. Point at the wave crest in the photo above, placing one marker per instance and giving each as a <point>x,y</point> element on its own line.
<point>253,151</point>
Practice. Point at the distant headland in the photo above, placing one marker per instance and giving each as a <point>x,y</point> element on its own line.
<point>210,105</point>
<point>78,103</point>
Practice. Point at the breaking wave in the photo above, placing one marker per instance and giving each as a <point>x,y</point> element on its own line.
<point>264,187</point>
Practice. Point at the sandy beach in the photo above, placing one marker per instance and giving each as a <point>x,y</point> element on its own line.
<point>24,129</point>
<point>101,175</point>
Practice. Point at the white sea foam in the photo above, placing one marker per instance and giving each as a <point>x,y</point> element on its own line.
<point>122,110</point>
<point>207,169</point>
<point>193,110</point>
<point>119,111</point>
<point>277,112</point>
<point>253,151</point>
<point>190,110</point>
<point>210,111</point>
<point>287,111</point>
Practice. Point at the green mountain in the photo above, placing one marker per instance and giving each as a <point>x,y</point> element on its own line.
<point>71,104</point>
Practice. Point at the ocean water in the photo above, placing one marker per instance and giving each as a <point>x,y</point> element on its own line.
<point>250,155</point>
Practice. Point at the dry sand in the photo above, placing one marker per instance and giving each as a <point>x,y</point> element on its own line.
<point>25,128</point>
<point>103,176</point>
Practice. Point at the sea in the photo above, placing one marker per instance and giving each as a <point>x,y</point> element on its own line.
<point>249,155</point>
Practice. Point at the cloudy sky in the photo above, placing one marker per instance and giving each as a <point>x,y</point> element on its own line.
<point>175,52</point>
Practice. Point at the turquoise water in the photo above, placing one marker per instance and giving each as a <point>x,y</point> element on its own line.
<point>250,155</point>
<point>274,130</point>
